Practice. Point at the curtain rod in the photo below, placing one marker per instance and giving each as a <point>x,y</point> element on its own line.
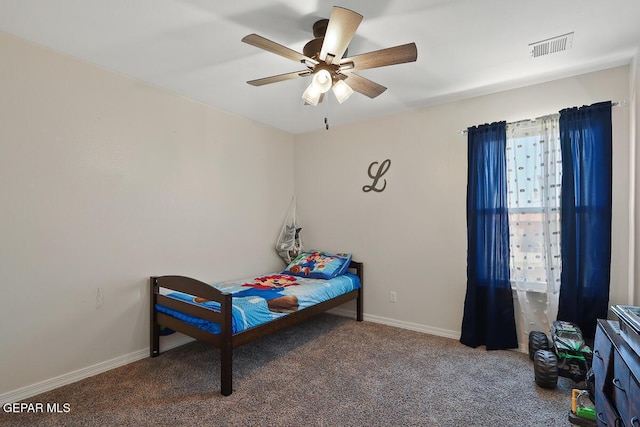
<point>613,104</point>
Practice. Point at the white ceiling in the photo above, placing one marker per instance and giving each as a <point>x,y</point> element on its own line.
<point>465,47</point>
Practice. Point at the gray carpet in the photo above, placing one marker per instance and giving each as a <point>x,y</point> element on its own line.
<point>328,371</point>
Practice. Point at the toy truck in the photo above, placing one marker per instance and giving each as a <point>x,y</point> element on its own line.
<point>565,354</point>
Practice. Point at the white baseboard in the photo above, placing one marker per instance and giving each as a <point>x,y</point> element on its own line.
<point>166,343</point>
<point>522,347</point>
<point>400,324</point>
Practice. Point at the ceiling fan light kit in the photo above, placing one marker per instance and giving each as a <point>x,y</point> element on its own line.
<point>311,95</point>
<point>322,80</point>
<point>342,91</point>
<point>324,59</point>
<point>320,84</point>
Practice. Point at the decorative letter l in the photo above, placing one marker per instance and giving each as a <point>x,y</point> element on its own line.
<point>382,169</point>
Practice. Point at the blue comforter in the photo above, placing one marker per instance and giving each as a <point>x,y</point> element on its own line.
<point>264,298</point>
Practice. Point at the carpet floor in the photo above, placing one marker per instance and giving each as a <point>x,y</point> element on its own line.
<point>327,371</point>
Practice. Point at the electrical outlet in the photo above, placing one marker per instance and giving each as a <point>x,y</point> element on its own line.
<point>393,296</point>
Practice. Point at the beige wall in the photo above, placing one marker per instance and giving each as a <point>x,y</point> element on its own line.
<point>105,181</point>
<point>412,236</point>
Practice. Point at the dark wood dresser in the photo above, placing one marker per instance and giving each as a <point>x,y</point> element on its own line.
<point>616,367</point>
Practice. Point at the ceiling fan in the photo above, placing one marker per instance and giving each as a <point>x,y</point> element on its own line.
<point>324,58</point>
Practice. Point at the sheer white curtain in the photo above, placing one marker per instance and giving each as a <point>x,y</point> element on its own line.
<point>534,173</point>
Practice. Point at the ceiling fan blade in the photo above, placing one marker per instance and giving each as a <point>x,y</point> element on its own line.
<point>363,85</point>
<point>383,57</point>
<point>279,78</point>
<point>278,49</point>
<point>343,24</point>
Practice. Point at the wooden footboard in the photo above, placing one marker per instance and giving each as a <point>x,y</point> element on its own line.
<point>226,341</point>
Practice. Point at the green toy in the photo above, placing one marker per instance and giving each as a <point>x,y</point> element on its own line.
<point>567,355</point>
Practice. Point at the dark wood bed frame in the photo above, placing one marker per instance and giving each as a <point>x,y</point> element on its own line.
<point>226,341</point>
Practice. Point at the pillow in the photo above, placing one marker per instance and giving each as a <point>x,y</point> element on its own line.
<point>319,265</point>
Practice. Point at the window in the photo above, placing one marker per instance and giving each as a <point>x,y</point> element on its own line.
<point>518,168</point>
<point>534,179</point>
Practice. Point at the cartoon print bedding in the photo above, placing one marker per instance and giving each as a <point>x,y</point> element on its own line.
<point>262,299</point>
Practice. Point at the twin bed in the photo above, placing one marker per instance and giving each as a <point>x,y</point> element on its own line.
<point>234,313</point>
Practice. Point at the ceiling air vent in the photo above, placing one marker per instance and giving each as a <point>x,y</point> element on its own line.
<point>552,45</point>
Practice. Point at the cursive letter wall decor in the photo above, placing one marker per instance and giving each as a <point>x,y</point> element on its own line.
<point>382,169</point>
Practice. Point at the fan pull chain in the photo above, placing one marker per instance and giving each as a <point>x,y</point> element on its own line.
<point>326,117</point>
